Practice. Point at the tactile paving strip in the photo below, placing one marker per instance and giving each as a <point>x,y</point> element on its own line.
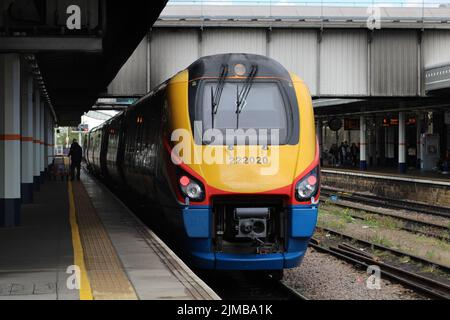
<point>195,288</point>
<point>105,271</point>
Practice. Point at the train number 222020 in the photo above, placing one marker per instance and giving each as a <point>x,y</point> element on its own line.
<point>248,160</point>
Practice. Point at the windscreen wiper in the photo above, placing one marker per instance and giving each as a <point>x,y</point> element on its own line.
<point>241,97</point>
<point>215,97</point>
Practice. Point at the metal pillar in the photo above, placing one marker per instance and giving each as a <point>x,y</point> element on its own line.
<point>36,141</point>
<point>42,142</point>
<point>45,133</point>
<point>27,137</point>
<point>55,142</point>
<point>49,132</point>
<point>370,148</point>
<point>419,122</point>
<point>377,145</point>
<point>363,143</point>
<point>391,146</point>
<point>10,140</point>
<point>402,142</point>
<point>386,146</point>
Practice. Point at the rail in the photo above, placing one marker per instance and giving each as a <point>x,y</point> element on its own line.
<point>353,255</point>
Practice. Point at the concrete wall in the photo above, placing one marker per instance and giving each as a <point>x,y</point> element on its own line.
<point>401,190</point>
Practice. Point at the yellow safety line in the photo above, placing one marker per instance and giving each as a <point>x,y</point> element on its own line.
<point>85,286</point>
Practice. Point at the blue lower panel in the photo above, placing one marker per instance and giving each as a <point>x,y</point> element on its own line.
<point>198,242</point>
<point>228,261</point>
<point>276,261</point>
<point>203,260</point>
<point>303,221</point>
<point>293,259</point>
<point>197,222</point>
<point>249,261</point>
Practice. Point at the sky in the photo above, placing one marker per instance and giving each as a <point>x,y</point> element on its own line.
<point>393,3</point>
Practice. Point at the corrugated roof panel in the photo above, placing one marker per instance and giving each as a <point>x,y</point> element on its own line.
<point>172,50</point>
<point>436,47</point>
<point>343,69</point>
<point>132,77</point>
<point>216,41</point>
<point>297,51</point>
<point>394,63</point>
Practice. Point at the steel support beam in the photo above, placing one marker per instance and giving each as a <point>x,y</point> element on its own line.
<point>50,44</point>
<point>402,142</point>
<point>363,143</point>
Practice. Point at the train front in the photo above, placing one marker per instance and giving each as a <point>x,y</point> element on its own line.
<point>244,149</point>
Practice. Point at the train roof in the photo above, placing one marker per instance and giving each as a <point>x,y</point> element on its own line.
<point>211,66</point>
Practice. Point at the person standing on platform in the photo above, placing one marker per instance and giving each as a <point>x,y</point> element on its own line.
<point>334,152</point>
<point>342,154</point>
<point>75,155</point>
<point>446,163</point>
<point>354,151</point>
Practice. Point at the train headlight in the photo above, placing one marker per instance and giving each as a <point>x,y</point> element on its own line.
<point>191,188</point>
<point>308,187</point>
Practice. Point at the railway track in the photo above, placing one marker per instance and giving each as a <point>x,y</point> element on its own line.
<point>248,285</point>
<point>388,202</point>
<point>375,246</point>
<point>411,225</point>
<point>372,209</point>
<point>354,255</point>
<point>429,287</point>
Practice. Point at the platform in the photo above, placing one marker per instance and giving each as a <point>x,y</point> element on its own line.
<point>413,175</point>
<point>83,224</point>
<point>425,188</point>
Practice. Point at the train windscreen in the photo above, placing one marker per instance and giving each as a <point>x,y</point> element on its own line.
<point>237,105</point>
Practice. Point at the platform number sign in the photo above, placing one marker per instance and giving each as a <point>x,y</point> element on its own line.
<point>74,19</point>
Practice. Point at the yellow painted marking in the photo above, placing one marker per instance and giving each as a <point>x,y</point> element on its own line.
<point>85,286</point>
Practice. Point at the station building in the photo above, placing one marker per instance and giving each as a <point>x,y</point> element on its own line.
<point>385,90</point>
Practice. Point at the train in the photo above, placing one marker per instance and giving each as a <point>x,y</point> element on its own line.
<point>227,150</point>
